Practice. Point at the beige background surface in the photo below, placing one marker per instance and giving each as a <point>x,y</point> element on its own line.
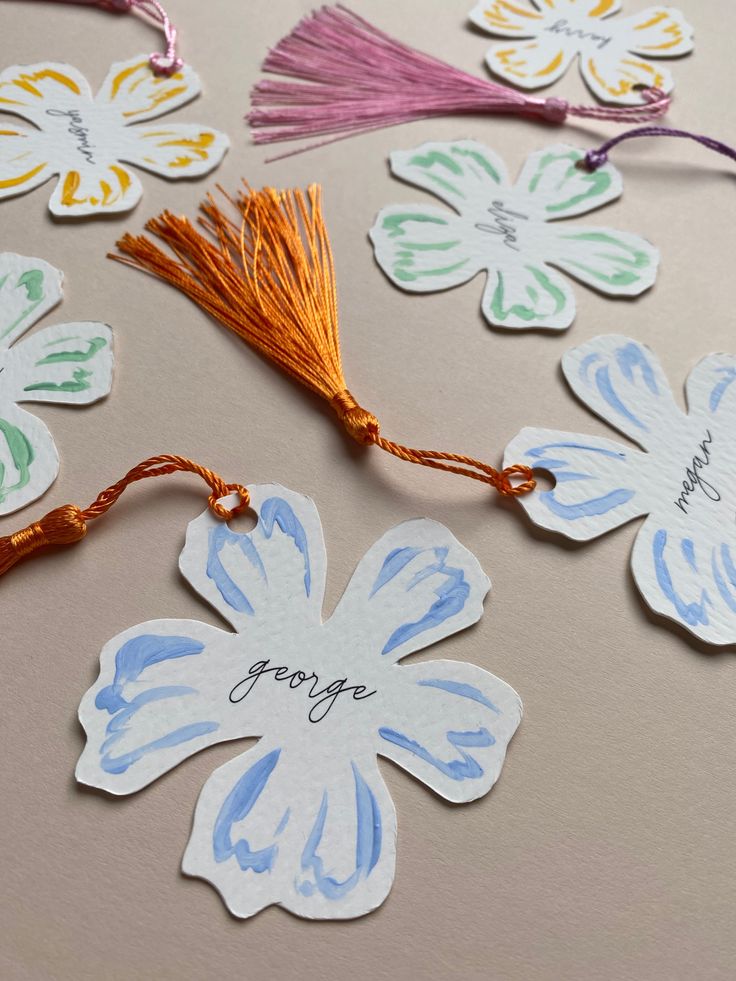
<point>606,852</point>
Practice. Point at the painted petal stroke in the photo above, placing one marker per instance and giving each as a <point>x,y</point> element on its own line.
<point>29,90</point>
<point>95,190</point>
<point>464,173</point>
<point>176,150</point>
<point>138,94</point>
<point>552,185</point>
<point>29,288</point>
<point>66,363</point>
<point>610,261</point>
<point>29,462</point>
<point>526,295</point>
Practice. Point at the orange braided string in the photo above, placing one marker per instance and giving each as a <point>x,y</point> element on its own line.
<point>269,277</point>
<point>68,524</point>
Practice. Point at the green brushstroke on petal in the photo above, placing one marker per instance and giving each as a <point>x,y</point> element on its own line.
<point>95,344</point>
<point>595,182</point>
<point>78,383</point>
<point>427,160</point>
<point>478,158</point>
<point>528,313</point>
<point>638,259</point>
<point>22,455</point>
<point>406,275</point>
<point>32,280</point>
<point>392,224</point>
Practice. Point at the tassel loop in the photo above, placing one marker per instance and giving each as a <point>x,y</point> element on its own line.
<point>62,526</point>
<point>359,423</point>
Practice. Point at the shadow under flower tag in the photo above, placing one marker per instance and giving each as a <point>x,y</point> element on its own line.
<point>303,819</point>
<point>684,557</point>
<point>515,233</point>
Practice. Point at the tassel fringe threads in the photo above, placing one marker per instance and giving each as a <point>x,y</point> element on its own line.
<point>267,274</point>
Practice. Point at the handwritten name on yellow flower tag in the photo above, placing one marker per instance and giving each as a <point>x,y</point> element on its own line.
<point>88,140</point>
<point>614,52</point>
<point>303,819</point>
<point>68,364</point>
<point>682,480</point>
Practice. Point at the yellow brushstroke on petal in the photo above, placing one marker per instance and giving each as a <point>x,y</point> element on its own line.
<point>122,76</point>
<point>17,181</point>
<point>673,30</point>
<point>657,19</point>
<point>552,66</point>
<point>156,100</point>
<point>625,84</point>
<point>198,146</point>
<point>513,67</point>
<point>497,15</point>
<point>602,9</point>
<point>25,82</point>
<point>73,181</point>
<point>123,177</point>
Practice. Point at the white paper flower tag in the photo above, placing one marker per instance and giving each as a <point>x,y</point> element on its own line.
<point>87,140</point>
<point>512,232</point>
<point>303,819</point>
<point>614,52</point>
<point>684,559</point>
<point>69,364</point>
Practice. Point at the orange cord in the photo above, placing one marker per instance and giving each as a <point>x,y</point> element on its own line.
<point>68,524</point>
<point>269,278</point>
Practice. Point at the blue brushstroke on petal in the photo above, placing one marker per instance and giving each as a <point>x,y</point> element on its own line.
<point>284,821</point>
<point>727,595</point>
<point>728,563</point>
<point>585,364</point>
<point>462,689</point>
<point>368,838</point>
<point>719,390</point>
<point>605,387</point>
<point>277,511</point>
<point>219,537</point>
<point>690,613</point>
<point>688,550</point>
<point>392,566</point>
<point>452,594</point>
<point>466,768</point>
<point>587,509</point>
<point>236,807</point>
<point>630,357</point>
<point>135,656</point>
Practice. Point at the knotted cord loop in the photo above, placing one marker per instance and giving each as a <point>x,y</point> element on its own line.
<point>359,423</point>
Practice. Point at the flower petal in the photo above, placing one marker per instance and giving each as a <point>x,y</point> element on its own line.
<point>509,18</point>
<point>657,32</point>
<point>95,190</point>
<point>449,726</point>
<point>178,150</point>
<point>416,585</point>
<point>29,462</point>
<point>29,90</point>
<point>687,572</point>
<point>614,75</point>
<point>622,381</point>
<point>533,64</point>
<point>274,574</point>
<point>69,363</point>
<point>132,88</point>
<point>29,288</point>
<point>599,484</point>
<point>422,248</point>
<point>162,695</point>
<point>277,826</point>
<point>465,174</point>
<point>711,390</point>
<point>528,295</point>
<point>554,185</point>
<point>614,262</point>
<point>24,162</point>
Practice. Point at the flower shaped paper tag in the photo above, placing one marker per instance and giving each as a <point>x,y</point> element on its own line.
<point>303,818</point>
<point>509,231</point>
<point>614,53</point>
<point>70,364</point>
<point>84,138</point>
<point>684,559</point>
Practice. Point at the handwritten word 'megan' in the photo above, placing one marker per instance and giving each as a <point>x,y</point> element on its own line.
<point>694,479</point>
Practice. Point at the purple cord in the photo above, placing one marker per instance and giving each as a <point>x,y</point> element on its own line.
<point>597,158</point>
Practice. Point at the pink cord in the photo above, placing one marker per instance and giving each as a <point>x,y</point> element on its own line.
<point>352,78</point>
<point>162,62</point>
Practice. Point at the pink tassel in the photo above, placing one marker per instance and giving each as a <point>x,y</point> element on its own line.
<point>353,78</point>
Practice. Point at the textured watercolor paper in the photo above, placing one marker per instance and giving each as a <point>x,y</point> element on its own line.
<point>614,52</point>
<point>303,819</point>
<point>510,232</point>
<point>87,140</point>
<point>70,364</point>
<point>684,557</point>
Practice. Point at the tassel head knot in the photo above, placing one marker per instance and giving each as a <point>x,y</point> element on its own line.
<point>62,526</point>
<point>359,423</point>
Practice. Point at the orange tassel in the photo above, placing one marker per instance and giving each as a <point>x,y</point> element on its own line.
<point>68,524</point>
<point>268,276</point>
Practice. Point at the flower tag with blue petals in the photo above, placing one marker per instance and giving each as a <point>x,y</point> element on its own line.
<point>303,818</point>
<point>89,139</point>
<point>513,232</point>
<point>684,557</point>
<point>68,364</point>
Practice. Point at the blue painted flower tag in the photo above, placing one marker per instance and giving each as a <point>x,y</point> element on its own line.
<point>303,818</point>
<point>683,479</point>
